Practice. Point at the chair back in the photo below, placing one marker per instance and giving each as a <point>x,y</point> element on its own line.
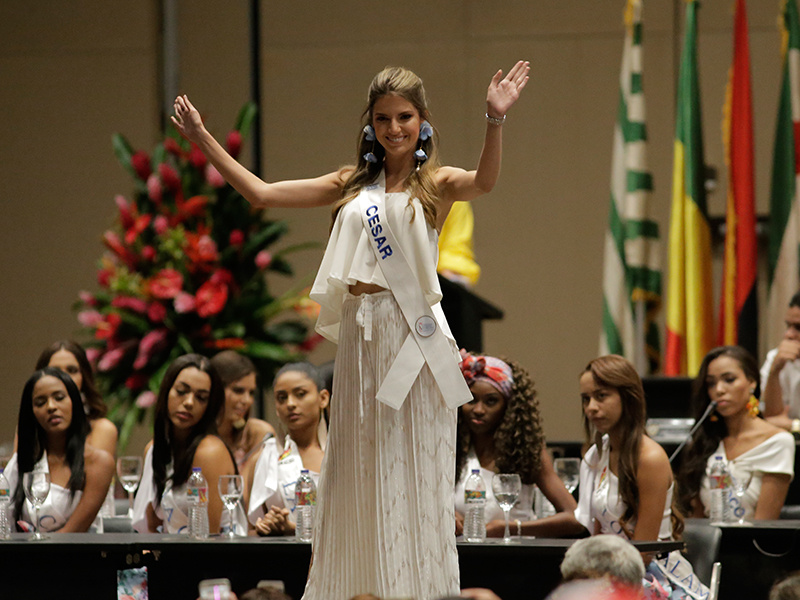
<point>702,547</point>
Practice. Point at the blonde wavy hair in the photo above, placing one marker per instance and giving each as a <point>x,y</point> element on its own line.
<point>421,183</point>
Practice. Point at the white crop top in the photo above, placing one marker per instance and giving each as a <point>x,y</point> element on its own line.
<point>349,259</point>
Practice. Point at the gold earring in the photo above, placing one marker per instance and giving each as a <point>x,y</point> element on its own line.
<point>752,406</point>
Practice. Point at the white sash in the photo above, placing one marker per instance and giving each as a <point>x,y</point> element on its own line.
<point>426,343</point>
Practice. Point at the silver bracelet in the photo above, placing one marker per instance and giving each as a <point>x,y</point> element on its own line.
<point>496,120</point>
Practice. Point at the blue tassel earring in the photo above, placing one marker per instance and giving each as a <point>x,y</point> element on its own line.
<point>369,135</point>
<point>425,133</point>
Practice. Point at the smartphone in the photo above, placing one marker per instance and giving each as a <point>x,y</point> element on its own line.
<point>214,589</point>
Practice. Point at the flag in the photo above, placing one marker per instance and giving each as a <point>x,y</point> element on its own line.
<point>784,221</point>
<point>738,314</point>
<point>631,271</point>
<point>689,302</point>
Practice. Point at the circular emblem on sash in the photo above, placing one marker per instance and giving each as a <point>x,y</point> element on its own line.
<point>425,326</point>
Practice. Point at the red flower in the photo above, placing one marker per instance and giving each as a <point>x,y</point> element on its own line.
<point>104,277</point>
<point>311,342</point>
<point>87,298</point>
<point>136,381</point>
<point>135,304</point>
<point>160,224</point>
<point>234,143</point>
<point>141,164</point>
<point>108,327</point>
<point>151,343</point>
<point>236,238</point>
<point>166,284</point>
<point>126,216</point>
<point>263,259</point>
<point>200,249</point>
<point>141,223</point>
<point>193,207</point>
<point>156,312</point>
<point>169,177</point>
<point>113,243</point>
<point>197,158</point>
<point>213,176</point>
<point>231,343</point>
<point>172,146</point>
<point>211,296</point>
<point>149,253</point>
<point>154,190</point>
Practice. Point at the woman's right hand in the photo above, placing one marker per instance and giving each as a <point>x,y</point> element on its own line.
<point>274,522</point>
<point>459,523</point>
<point>187,119</point>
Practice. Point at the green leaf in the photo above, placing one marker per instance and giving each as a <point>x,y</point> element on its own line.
<point>131,417</point>
<point>124,152</point>
<point>271,351</point>
<point>265,237</point>
<point>298,247</point>
<point>236,330</point>
<point>244,122</point>
<point>159,156</point>
<point>288,332</point>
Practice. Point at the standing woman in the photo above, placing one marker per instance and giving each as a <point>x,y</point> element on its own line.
<point>242,433</point>
<point>500,431</point>
<point>52,431</point>
<point>184,436</point>
<point>388,463</point>
<point>70,358</point>
<point>759,455</point>
<point>626,482</point>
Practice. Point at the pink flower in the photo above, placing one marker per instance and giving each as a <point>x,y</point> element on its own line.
<point>154,190</point>
<point>135,304</point>
<point>184,303</point>
<point>213,177</point>
<point>89,318</point>
<point>111,359</point>
<point>104,277</point>
<point>151,343</point>
<point>92,354</point>
<point>197,158</point>
<point>125,214</point>
<point>172,146</point>
<point>141,164</point>
<point>166,283</point>
<point>169,177</point>
<point>146,399</point>
<point>149,253</point>
<point>211,297</point>
<point>87,298</point>
<point>263,259</point>
<point>156,312</point>
<point>311,342</point>
<point>234,143</point>
<point>107,328</point>
<point>160,224</point>
<point>236,238</point>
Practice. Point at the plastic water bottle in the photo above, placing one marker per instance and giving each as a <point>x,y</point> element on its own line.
<point>720,483</point>
<point>475,501</point>
<point>305,498</point>
<point>197,496</point>
<point>5,507</point>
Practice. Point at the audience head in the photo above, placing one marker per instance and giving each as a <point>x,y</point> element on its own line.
<point>239,377</point>
<point>603,555</point>
<point>71,358</point>
<point>787,588</point>
<point>267,593</point>
<point>300,396</point>
<point>504,406</point>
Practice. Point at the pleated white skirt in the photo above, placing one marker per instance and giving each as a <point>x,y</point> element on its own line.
<point>385,522</point>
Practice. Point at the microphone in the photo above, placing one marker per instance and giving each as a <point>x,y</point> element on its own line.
<point>712,405</point>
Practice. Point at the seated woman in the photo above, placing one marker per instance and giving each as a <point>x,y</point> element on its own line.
<point>626,485</point>
<point>189,400</point>
<point>499,431</point>
<point>299,401</point>
<point>760,456</point>
<point>70,358</point>
<point>52,431</point>
<point>241,433</point>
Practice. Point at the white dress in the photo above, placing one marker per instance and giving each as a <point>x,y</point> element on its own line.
<point>385,514</point>
<point>601,503</point>
<point>773,455</point>
<point>57,508</point>
<point>523,509</point>
<point>274,478</point>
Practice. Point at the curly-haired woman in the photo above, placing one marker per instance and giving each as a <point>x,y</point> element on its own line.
<point>500,431</point>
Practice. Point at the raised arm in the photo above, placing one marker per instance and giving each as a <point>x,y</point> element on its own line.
<point>295,193</point>
<point>503,92</point>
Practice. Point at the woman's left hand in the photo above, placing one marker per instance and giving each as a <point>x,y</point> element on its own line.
<point>496,528</point>
<point>504,91</point>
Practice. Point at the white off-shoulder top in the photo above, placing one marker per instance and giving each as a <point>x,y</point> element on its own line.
<point>349,259</point>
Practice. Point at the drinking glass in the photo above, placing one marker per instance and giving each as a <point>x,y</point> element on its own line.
<point>506,488</point>
<point>36,485</point>
<point>740,485</point>
<point>569,471</point>
<point>230,490</point>
<point>129,471</point>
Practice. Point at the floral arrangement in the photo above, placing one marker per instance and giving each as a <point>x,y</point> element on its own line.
<point>186,271</point>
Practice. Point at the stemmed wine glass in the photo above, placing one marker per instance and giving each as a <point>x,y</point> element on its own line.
<point>740,485</point>
<point>129,471</point>
<point>230,490</point>
<point>506,488</point>
<point>37,486</point>
<point>569,471</point>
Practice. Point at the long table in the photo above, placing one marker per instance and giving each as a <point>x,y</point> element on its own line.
<point>83,565</point>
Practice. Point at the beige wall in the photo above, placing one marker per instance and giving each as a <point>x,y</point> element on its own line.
<point>76,72</point>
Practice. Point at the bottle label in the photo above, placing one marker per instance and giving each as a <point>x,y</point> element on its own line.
<point>305,498</point>
<point>5,494</point>
<point>199,494</point>
<point>472,496</point>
